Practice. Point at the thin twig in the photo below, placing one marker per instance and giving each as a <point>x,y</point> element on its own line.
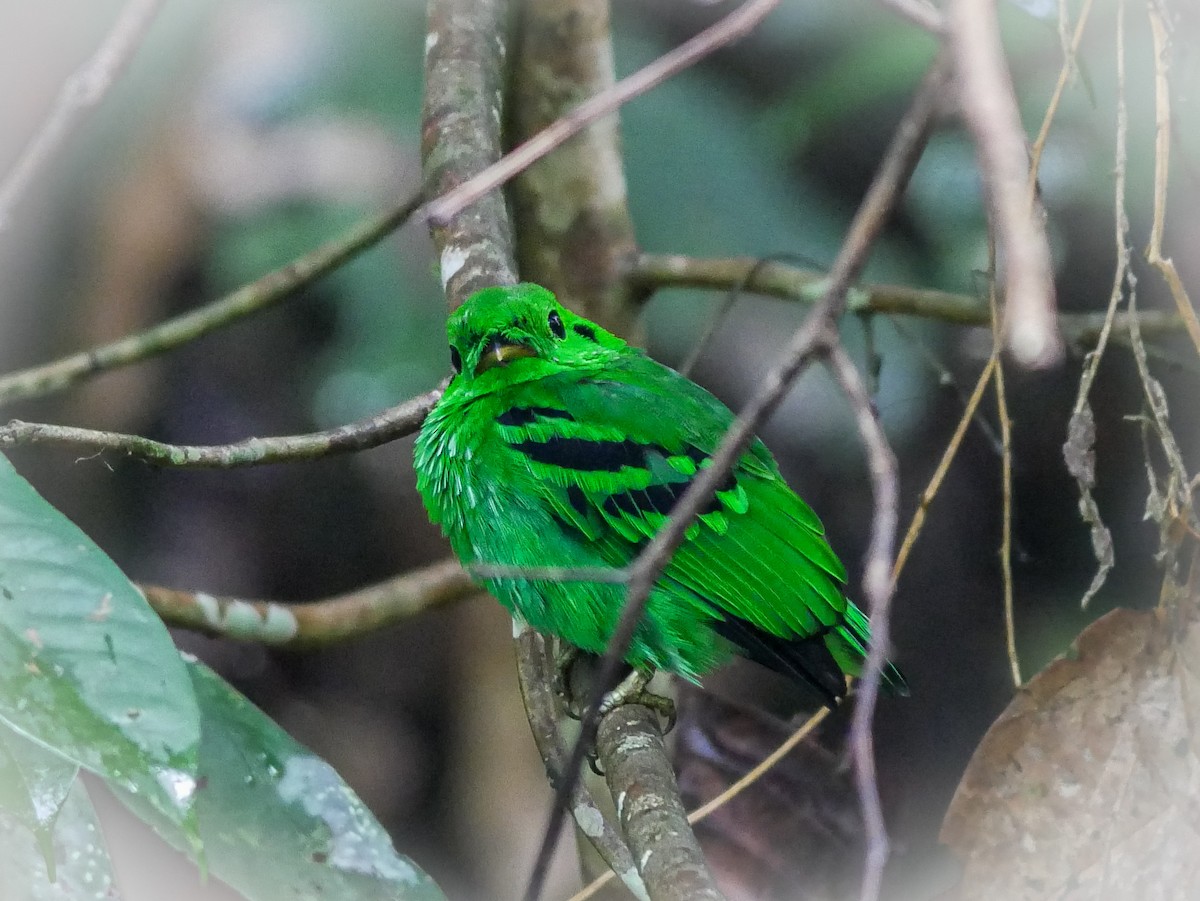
<point>84,89</point>
<point>601,574</point>
<point>255,297</point>
<point>719,315</point>
<point>813,339</point>
<point>1162,166</point>
<point>315,623</point>
<point>1070,51</point>
<point>737,24</point>
<point>920,12</point>
<point>1006,513</point>
<point>989,108</point>
<point>654,271</point>
<point>877,589</point>
<point>719,801</point>
<point>939,474</point>
<point>946,379</point>
<point>395,422</point>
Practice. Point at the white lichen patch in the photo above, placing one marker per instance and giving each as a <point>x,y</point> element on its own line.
<point>590,820</point>
<point>453,259</point>
<point>636,742</point>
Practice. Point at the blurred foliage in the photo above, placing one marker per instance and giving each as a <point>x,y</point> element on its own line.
<point>90,678</point>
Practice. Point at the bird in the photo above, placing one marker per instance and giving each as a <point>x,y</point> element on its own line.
<point>558,444</point>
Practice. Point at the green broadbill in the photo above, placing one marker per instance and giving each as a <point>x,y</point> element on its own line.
<point>558,444</point>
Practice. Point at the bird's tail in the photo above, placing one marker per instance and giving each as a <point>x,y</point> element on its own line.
<point>848,645</point>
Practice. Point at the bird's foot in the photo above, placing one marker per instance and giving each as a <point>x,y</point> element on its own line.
<point>632,690</point>
<point>564,662</point>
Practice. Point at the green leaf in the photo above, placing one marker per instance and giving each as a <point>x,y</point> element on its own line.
<point>276,820</point>
<point>86,668</point>
<point>34,784</point>
<point>84,870</point>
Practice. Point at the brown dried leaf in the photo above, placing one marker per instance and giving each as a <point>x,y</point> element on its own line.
<point>1088,785</point>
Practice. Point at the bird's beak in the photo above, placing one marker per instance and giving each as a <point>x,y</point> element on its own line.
<point>501,353</point>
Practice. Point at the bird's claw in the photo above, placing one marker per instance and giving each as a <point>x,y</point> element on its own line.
<point>632,690</point>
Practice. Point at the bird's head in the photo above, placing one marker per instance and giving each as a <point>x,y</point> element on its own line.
<point>519,332</point>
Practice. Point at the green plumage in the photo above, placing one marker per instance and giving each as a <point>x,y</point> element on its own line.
<point>558,444</point>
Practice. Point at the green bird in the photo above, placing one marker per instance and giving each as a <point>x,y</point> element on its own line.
<point>558,444</point>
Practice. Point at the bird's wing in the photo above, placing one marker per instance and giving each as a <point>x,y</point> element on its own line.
<point>616,450</point>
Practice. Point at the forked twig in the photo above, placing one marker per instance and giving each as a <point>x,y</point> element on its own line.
<point>84,89</point>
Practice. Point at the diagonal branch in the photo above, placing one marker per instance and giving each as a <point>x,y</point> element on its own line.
<point>813,339</point>
<point>737,24</point>
<point>253,298</point>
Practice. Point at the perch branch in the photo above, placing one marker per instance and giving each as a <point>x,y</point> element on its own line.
<point>395,422</point>
<point>84,89</point>
<point>255,297</point>
<point>536,676</point>
<point>461,136</point>
<point>316,623</point>
<point>630,749</point>
<point>989,108</point>
<point>719,801</point>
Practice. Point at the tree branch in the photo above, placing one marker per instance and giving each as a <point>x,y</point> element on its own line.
<point>536,676</point>
<point>654,271</point>
<point>630,748</point>
<point>316,623</point>
<point>989,107</point>
<point>395,422</point>
<point>574,233</point>
<point>255,297</point>
<point>460,136</point>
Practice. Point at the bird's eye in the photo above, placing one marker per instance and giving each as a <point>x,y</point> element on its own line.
<point>556,324</point>
<point>455,359</point>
